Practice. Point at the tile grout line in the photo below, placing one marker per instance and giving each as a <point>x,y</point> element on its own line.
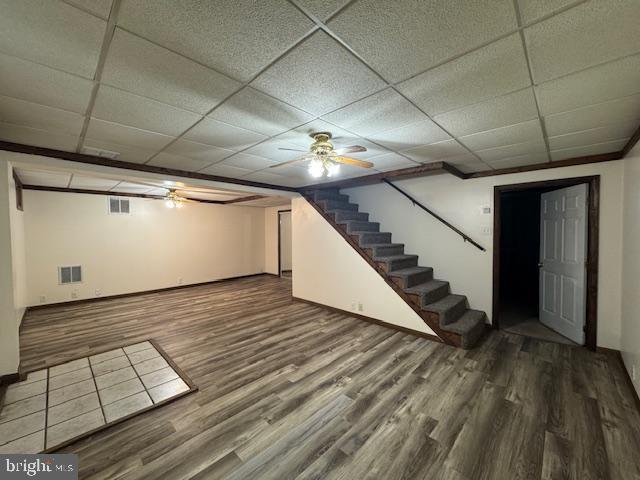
<point>136,372</point>
<point>104,417</point>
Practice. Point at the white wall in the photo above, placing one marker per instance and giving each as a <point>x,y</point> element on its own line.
<point>631,267</point>
<point>9,338</point>
<point>328,271</point>
<point>271,238</point>
<point>153,247</point>
<point>468,269</point>
<point>286,260</point>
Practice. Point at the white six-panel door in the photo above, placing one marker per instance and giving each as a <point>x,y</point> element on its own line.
<point>563,250</point>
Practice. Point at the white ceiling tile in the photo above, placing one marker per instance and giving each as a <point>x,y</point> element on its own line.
<point>509,109</point>
<point>250,162</point>
<point>531,10</point>
<point>625,109</point>
<point>319,76</point>
<point>617,131</point>
<point>494,70</point>
<point>236,37</point>
<point>127,187</point>
<point>126,153</point>
<point>322,9</point>
<point>169,160</point>
<point>92,183</point>
<point>39,84</point>
<point>208,196</point>
<point>223,135</point>
<point>198,151</point>
<point>44,179</point>
<point>518,133</point>
<point>260,113</point>
<point>584,36</point>
<point>296,171</point>
<point>596,149</point>
<point>473,167</point>
<point>509,151</point>
<point>101,8</point>
<point>391,161</point>
<point>436,151</point>
<point>141,67</point>
<point>52,33</point>
<point>598,84</point>
<point>520,160</point>
<point>38,138</point>
<point>410,136</point>
<point>271,150</point>
<point>226,170</point>
<point>379,112</point>
<point>157,191</point>
<point>121,134</point>
<point>33,115</point>
<point>132,110</point>
<point>266,177</point>
<point>404,37</point>
<point>464,159</point>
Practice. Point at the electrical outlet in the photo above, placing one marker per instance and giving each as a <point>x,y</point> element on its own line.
<point>359,307</point>
<point>74,294</point>
<point>486,230</point>
<point>43,299</point>
<point>98,292</point>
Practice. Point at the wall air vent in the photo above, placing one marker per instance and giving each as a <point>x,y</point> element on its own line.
<point>98,152</point>
<point>69,275</point>
<point>119,205</point>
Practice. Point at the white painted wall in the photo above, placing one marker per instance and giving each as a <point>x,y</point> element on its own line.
<point>631,267</point>
<point>285,241</point>
<point>153,247</point>
<point>271,238</point>
<point>328,271</point>
<point>9,338</point>
<point>468,269</point>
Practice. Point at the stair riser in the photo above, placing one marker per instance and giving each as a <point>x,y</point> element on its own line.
<point>469,340</point>
<point>453,313</point>
<point>339,217</point>
<point>425,299</point>
<point>413,280</point>
<point>362,227</point>
<point>333,205</point>
<point>373,237</point>
<point>337,197</point>
<point>394,265</point>
<point>384,251</point>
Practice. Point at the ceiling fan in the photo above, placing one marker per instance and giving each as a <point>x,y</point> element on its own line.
<point>173,200</point>
<point>324,159</point>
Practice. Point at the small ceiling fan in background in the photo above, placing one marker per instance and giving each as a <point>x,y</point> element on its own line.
<point>173,200</point>
<point>324,158</point>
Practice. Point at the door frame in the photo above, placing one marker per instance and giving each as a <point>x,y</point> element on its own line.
<point>280,212</point>
<point>593,240</point>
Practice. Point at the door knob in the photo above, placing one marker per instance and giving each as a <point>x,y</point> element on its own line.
<point>540,264</point>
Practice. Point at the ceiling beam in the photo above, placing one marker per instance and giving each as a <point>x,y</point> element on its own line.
<point>107,162</point>
<point>604,157</point>
<point>244,199</point>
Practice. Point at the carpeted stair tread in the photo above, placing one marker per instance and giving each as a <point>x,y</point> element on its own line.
<point>328,205</point>
<point>470,326</point>
<point>353,226</point>
<point>450,308</point>
<point>390,258</point>
<point>344,215</point>
<point>426,287</point>
<point>407,272</point>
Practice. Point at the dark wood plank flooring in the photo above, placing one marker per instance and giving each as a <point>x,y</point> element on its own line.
<point>290,390</point>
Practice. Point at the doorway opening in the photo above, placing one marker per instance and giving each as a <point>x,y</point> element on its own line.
<point>285,265</point>
<point>546,259</point>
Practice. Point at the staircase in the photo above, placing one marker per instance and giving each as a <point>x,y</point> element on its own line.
<point>447,314</point>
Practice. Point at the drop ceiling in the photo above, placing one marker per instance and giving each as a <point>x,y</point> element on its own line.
<point>116,184</point>
<point>219,87</point>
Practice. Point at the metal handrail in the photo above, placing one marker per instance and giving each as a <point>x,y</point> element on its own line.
<point>466,237</point>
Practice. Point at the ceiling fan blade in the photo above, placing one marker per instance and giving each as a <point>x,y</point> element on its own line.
<point>350,149</point>
<point>353,161</point>
<point>293,149</point>
<point>289,162</point>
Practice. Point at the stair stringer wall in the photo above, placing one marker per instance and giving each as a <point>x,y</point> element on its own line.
<point>327,270</point>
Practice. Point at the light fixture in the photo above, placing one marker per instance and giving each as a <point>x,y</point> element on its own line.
<point>173,200</point>
<point>323,164</point>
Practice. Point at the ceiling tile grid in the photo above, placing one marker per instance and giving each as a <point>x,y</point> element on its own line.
<point>223,87</point>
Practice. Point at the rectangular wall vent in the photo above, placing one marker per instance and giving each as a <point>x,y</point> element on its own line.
<point>119,205</point>
<point>69,274</point>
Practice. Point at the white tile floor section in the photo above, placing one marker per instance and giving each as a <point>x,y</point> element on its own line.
<point>73,398</point>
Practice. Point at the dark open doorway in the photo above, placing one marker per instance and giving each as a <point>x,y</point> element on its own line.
<point>285,261</point>
<point>516,295</point>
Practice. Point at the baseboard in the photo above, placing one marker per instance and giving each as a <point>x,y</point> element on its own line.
<point>627,377</point>
<point>410,331</point>
<point>143,292</point>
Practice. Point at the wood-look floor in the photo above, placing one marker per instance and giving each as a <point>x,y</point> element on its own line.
<point>290,390</point>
